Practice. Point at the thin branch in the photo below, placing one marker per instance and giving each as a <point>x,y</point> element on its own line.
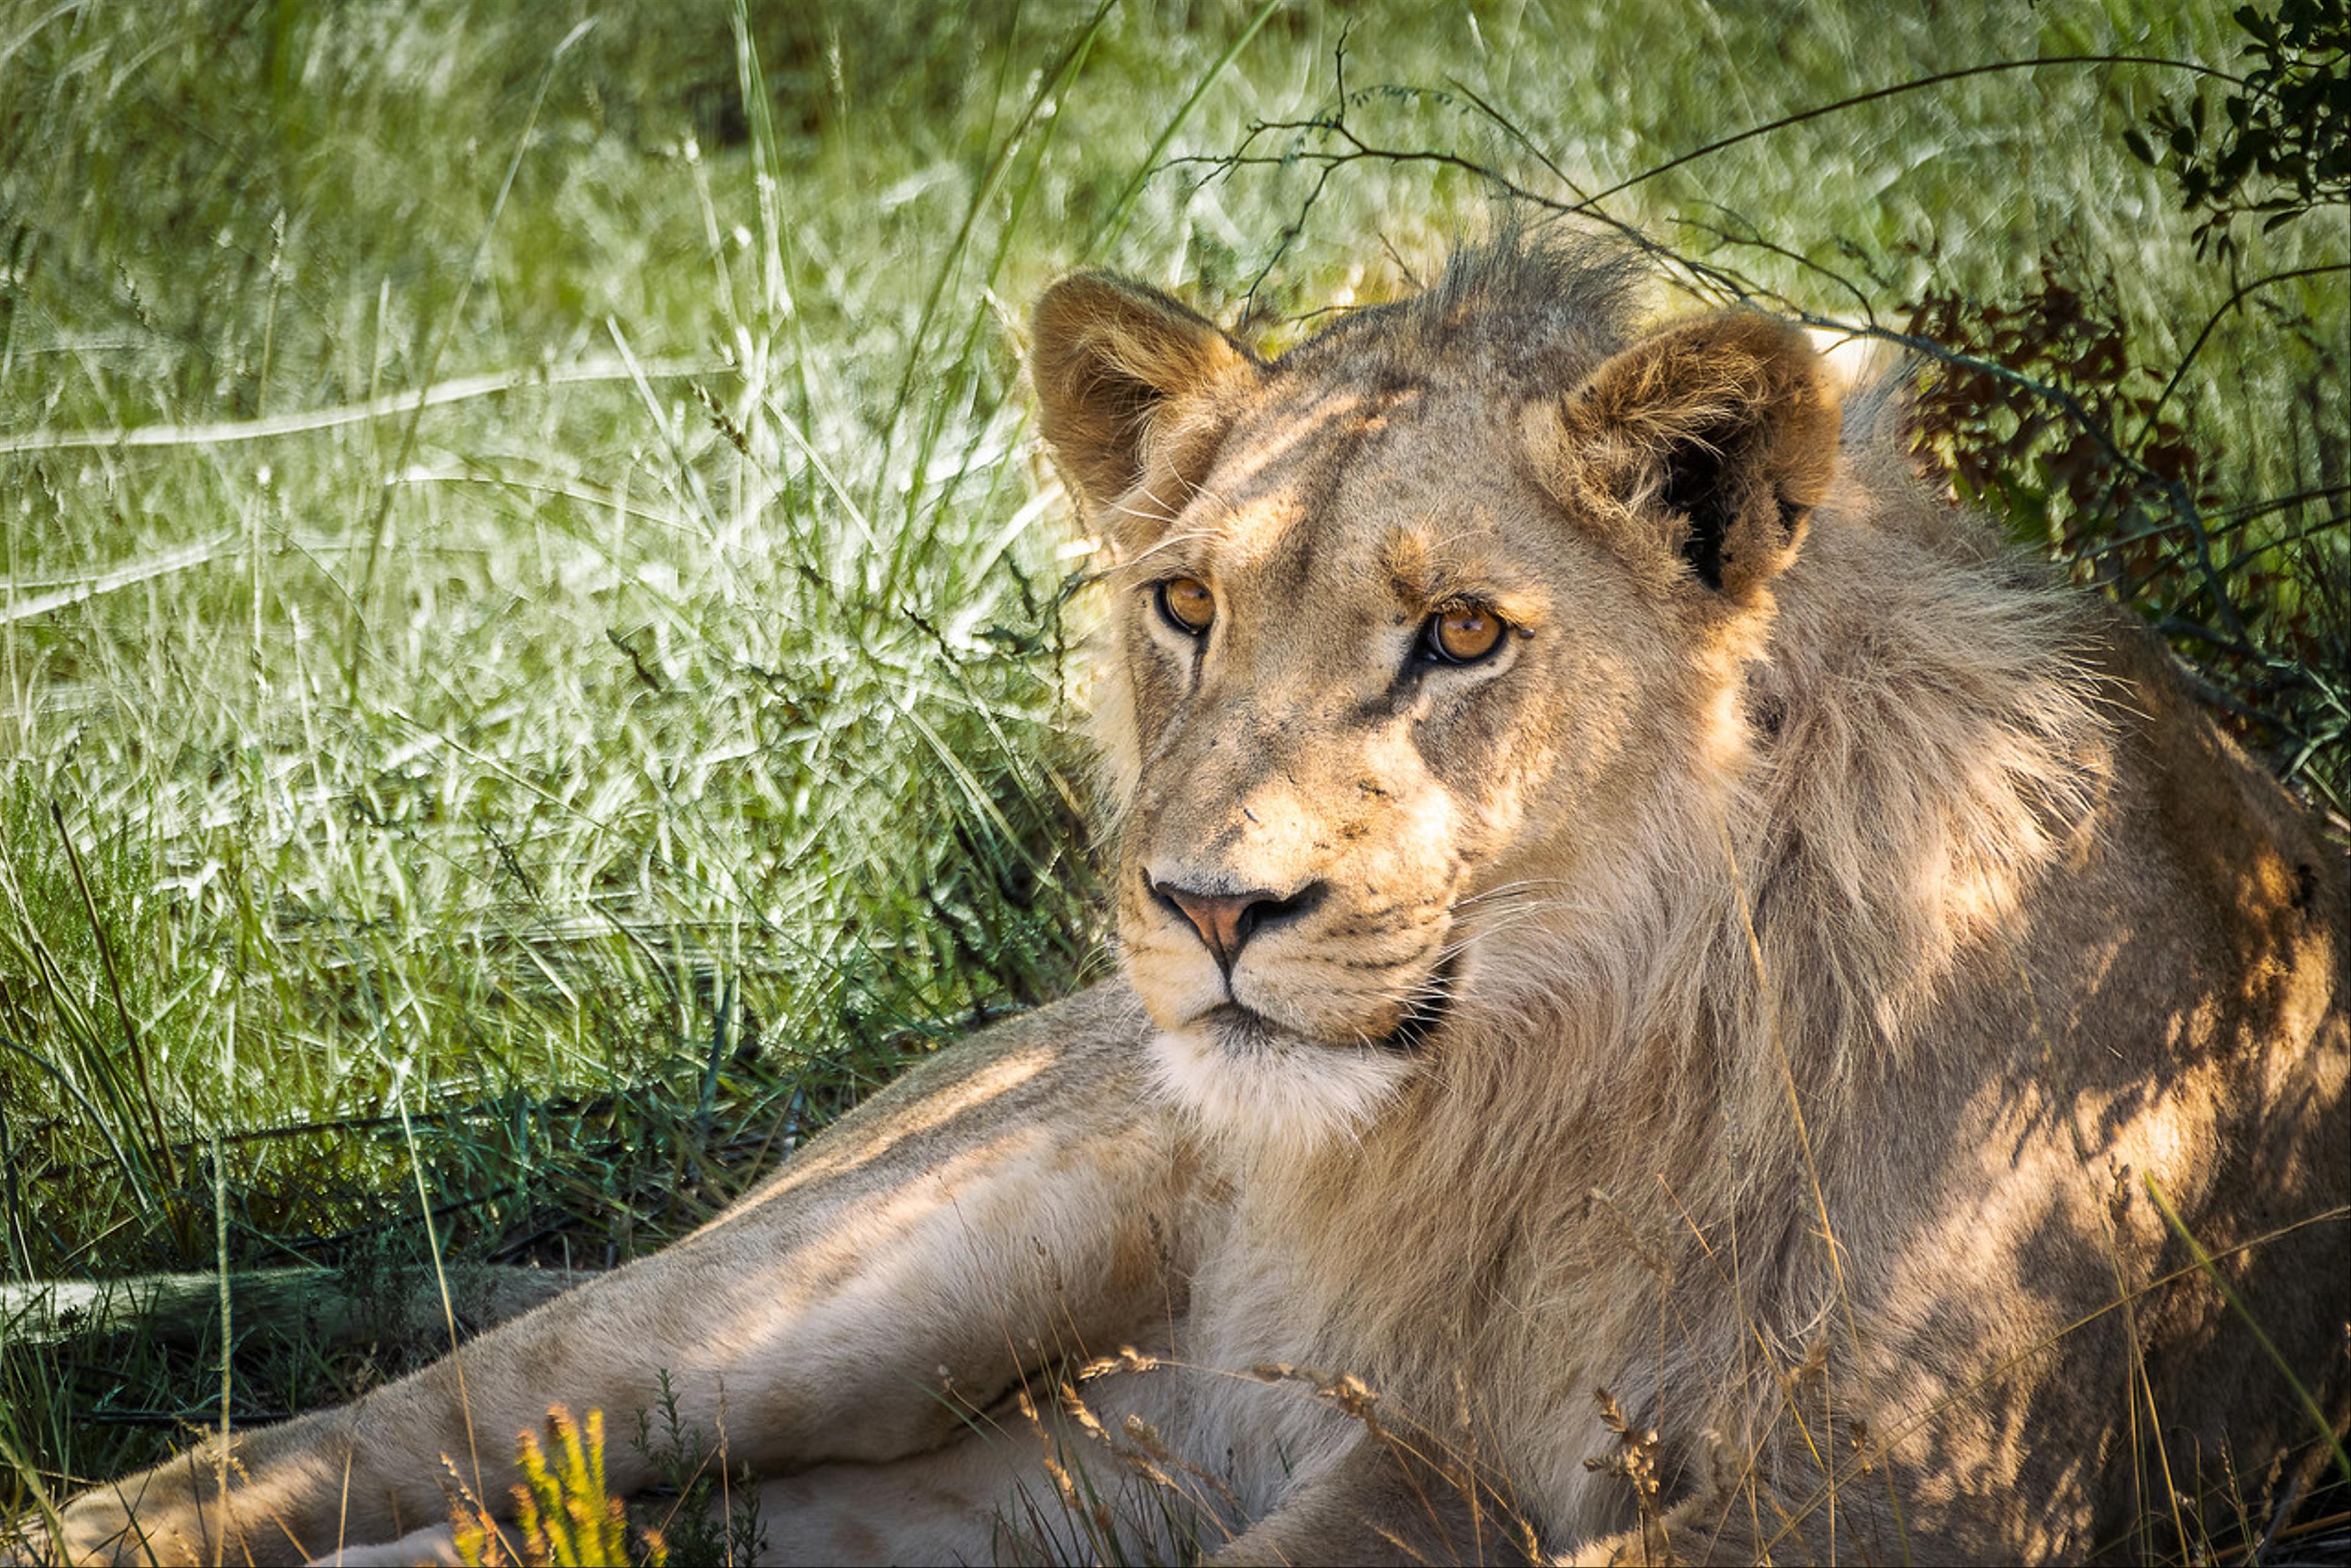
<point>1937,79</point>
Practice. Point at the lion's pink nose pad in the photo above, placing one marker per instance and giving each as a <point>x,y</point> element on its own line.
<point>1226,920</point>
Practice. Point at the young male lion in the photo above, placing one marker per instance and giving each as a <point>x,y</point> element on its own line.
<point>1620,889</point>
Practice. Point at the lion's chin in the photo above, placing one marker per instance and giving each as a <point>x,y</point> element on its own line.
<point>1248,1080</point>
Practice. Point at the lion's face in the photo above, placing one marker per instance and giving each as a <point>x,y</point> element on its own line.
<point>1350,677</point>
<point>1396,659</point>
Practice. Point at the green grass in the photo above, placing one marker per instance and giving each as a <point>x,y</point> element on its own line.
<point>541,804</point>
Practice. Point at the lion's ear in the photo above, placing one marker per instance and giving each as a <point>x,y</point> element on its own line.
<point>1126,377</point>
<point>1704,448</point>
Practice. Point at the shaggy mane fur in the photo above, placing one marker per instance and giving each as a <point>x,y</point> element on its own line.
<point>1530,309</point>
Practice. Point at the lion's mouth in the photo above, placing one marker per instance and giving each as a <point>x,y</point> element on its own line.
<point>1239,1028</point>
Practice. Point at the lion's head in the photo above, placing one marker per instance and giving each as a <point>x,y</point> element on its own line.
<point>1442,608</point>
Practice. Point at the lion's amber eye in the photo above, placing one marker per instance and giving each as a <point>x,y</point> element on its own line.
<point>1463,634</point>
<point>1188,605</point>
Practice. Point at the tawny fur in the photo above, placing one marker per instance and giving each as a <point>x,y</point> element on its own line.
<point>1780,986</point>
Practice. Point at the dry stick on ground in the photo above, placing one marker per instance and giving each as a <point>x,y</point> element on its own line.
<point>182,1309</point>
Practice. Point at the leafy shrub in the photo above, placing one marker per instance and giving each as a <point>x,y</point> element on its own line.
<point>2282,144</point>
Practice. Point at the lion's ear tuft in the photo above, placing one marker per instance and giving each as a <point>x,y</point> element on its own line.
<point>1709,444</point>
<point>1123,375</point>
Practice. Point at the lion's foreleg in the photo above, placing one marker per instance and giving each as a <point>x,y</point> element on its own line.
<point>1015,1202</point>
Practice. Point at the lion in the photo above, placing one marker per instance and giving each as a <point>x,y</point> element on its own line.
<point>1676,1001</point>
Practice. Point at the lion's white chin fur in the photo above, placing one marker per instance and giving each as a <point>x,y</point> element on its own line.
<point>1274,1092</point>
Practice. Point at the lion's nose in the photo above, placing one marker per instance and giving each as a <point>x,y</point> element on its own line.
<point>1227,920</point>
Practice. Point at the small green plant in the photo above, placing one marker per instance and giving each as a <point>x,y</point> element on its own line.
<point>565,1515</point>
<point>696,1510</point>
